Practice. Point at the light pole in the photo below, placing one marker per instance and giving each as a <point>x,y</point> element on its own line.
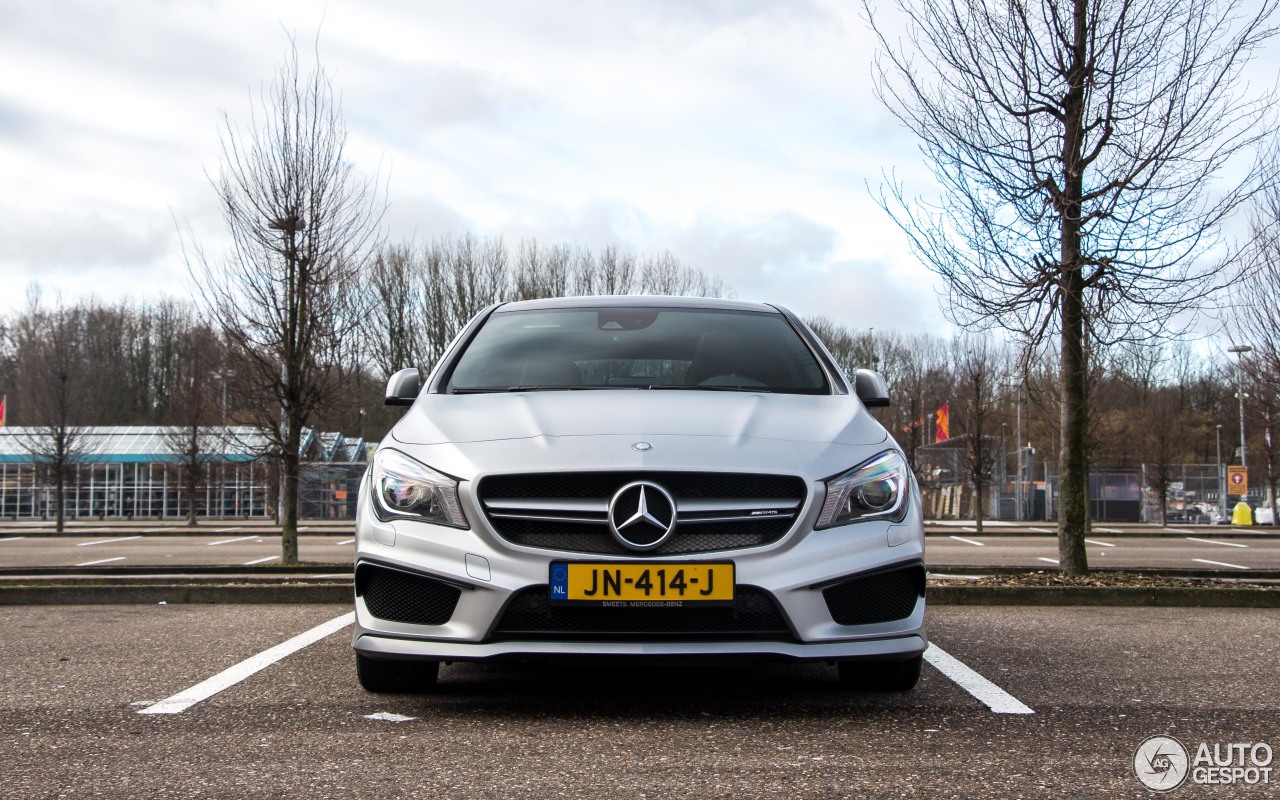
<point>224,377</point>
<point>1222,487</point>
<point>1240,350</point>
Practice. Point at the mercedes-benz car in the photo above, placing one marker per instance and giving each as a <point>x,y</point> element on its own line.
<point>638,478</point>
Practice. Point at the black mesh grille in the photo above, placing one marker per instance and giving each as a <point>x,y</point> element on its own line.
<point>753,615</point>
<point>882,597</point>
<point>593,536</point>
<point>402,597</point>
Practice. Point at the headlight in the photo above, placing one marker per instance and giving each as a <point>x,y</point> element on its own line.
<point>406,489</point>
<point>875,489</point>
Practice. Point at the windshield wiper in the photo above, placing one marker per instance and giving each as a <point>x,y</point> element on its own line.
<point>532,388</point>
<point>715,388</point>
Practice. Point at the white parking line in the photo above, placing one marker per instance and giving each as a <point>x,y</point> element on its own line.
<point>967,528</point>
<point>1095,541</point>
<point>346,541</point>
<point>995,698</point>
<point>1041,530</point>
<point>968,541</point>
<point>1108,530</point>
<point>230,677</point>
<point>158,530</point>
<point>229,541</point>
<point>107,541</point>
<point>1050,560</point>
<point>259,561</point>
<point>100,561</point>
<point>1218,563</point>
<point>12,539</point>
<point>1211,541</point>
<point>228,530</point>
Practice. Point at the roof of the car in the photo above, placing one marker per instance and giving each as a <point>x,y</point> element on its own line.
<point>638,301</point>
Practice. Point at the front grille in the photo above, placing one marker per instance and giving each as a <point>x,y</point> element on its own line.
<point>532,615</point>
<point>404,597</point>
<point>569,511</point>
<point>882,597</point>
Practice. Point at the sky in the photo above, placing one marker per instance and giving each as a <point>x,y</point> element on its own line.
<point>742,136</point>
<point>739,136</point>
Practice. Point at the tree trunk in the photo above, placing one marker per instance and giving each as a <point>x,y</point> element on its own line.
<point>1073,502</point>
<point>59,486</point>
<point>289,469</point>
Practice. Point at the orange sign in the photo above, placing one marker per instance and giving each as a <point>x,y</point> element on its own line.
<point>1238,480</point>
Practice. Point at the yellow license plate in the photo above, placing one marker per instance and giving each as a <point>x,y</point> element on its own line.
<point>664,583</point>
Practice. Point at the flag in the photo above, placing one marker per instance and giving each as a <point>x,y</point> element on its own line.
<point>914,425</point>
<point>4,401</point>
<point>943,417</point>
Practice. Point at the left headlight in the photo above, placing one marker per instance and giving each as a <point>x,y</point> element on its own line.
<point>875,489</point>
<point>406,489</point>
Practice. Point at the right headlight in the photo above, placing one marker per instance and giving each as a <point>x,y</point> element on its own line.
<point>875,489</point>
<point>406,489</point>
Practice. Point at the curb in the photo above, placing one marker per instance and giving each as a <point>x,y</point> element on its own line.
<point>173,594</point>
<point>286,593</point>
<point>1124,596</point>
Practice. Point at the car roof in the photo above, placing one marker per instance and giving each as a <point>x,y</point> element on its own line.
<point>638,301</point>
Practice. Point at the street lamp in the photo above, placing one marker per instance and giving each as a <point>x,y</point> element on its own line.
<point>1222,486</point>
<point>224,376</point>
<point>1240,350</point>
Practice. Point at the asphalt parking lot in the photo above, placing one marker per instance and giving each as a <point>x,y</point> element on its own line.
<point>1099,682</point>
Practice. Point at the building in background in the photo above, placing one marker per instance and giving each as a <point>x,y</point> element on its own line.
<point>138,472</point>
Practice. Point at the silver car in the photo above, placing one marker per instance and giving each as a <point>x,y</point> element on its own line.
<point>638,478</point>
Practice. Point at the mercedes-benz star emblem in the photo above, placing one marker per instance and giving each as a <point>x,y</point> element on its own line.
<point>642,515</point>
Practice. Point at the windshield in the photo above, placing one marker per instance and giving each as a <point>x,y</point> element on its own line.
<point>636,347</point>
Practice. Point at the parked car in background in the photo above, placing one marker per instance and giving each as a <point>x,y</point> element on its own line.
<point>637,478</point>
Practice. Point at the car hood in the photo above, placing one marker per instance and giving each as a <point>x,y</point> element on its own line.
<point>468,436</point>
<point>458,419</point>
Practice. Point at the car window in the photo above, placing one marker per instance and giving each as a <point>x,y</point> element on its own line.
<point>630,347</point>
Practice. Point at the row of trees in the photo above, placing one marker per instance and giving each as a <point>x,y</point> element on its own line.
<point>66,367</point>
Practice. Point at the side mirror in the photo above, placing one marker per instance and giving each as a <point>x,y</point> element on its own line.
<point>871,389</point>
<point>403,387</point>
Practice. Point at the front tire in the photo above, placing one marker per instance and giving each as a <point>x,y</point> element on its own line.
<point>396,677</point>
<point>881,676</point>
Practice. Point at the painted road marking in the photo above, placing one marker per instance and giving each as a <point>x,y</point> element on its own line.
<point>967,528</point>
<point>12,539</point>
<point>259,561</point>
<point>968,541</point>
<point>229,541</point>
<point>1095,541</point>
<point>157,530</point>
<point>107,541</point>
<point>1218,563</point>
<point>1210,541</point>
<point>1108,530</point>
<point>346,541</point>
<point>1050,560</point>
<point>992,696</point>
<point>1041,530</point>
<point>100,561</point>
<point>228,530</point>
<point>230,677</point>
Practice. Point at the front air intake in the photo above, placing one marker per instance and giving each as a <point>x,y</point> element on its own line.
<point>398,596</point>
<point>882,597</point>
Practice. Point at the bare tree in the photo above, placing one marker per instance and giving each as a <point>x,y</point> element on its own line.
<point>51,373</point>
<point>1257,320</point>
<point>194,410</point>
<point>303,227</point>
<point>982,372</point>
<point>1079,144</point>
